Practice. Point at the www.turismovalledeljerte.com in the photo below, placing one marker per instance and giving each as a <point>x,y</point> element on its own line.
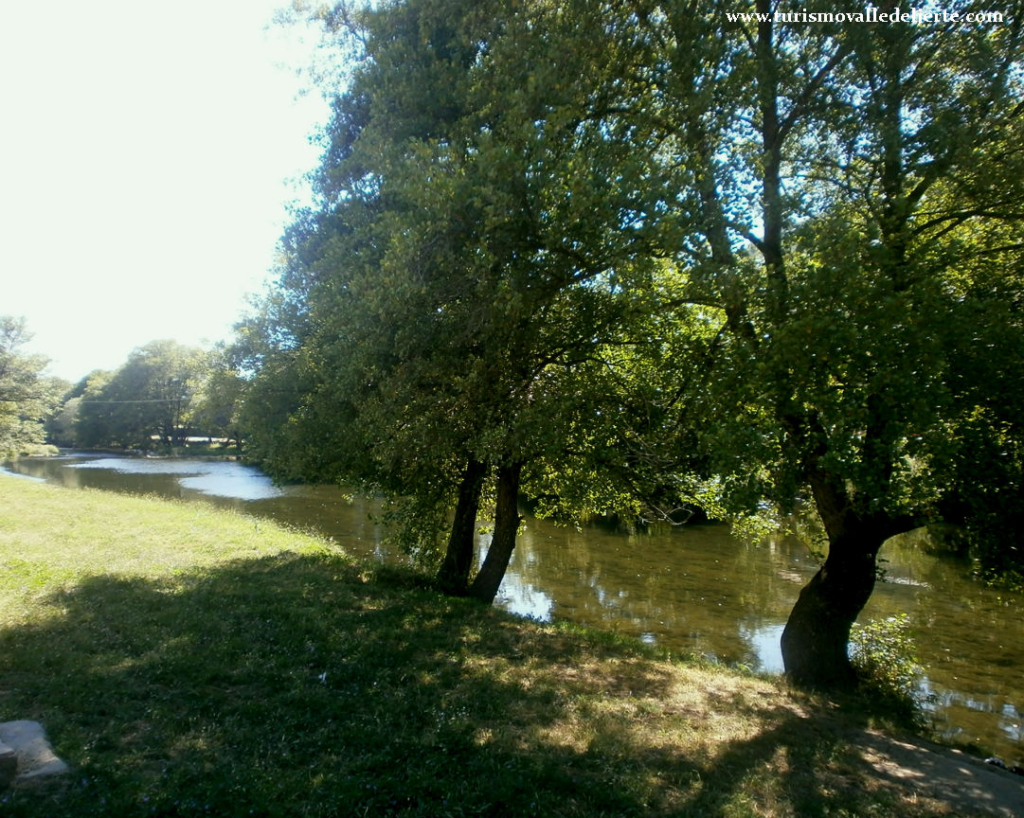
<point>871,14</point>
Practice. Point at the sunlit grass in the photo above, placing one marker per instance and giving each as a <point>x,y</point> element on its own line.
<point>188,661</point>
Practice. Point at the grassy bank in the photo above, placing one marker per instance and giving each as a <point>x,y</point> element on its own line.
<point>188,661</point>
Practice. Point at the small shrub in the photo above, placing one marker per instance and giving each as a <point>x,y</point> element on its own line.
<point>883,654</point>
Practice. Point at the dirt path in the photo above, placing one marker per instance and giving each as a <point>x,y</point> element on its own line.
<point>966,784</point>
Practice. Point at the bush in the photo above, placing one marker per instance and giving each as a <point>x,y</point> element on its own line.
<point>883,654</point>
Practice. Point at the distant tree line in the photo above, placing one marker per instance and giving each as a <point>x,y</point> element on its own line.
<point>164,394</point>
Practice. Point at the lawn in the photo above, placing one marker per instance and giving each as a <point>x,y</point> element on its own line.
<point>190,661</point>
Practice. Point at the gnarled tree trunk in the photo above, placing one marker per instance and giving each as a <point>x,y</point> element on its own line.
<point>453,575</point>
<point>506,526</point>
<point>815,640</point>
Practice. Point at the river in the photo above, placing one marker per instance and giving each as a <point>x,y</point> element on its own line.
<point>691,589</point>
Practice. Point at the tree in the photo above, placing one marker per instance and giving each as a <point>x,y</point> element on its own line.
<point>149,396</point>
<point>662,248</point>
<point>435,302</point>
<point>982,459</point>
<point>91,424</point>
<point>27,397</point>
<point>217,403</point>
<point>825,170</point>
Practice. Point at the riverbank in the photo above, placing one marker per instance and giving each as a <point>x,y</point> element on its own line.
<point>189,661</point>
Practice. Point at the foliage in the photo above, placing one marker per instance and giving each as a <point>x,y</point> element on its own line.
<point>27,397</point>
<point>81,429</point>
<point>217,403</point>
<point>986,500</point>
<point>149,397</point>
<point>883,654</point>
<point>644,256</point>
<point>61,428</point>
<point>434,312</point>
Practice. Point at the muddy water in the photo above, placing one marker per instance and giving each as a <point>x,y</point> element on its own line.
<point>692,589</point>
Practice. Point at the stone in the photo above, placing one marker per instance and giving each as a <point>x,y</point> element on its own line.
<point>34,757</point>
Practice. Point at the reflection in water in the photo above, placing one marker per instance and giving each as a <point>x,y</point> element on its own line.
<point>20,476</point>
<point>690,589</point>
<point>766,640</point>
<point>223,479</point>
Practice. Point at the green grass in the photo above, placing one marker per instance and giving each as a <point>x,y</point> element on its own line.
<point>188,661</point>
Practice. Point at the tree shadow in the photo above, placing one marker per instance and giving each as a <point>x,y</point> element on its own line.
<point>292,686</point>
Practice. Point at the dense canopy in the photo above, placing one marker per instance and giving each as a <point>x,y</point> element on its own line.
<point>640,257</point>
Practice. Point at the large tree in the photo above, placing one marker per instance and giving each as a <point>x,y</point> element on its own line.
<point>690,250</point>
<point>437,302</point>
<point>829,168</point>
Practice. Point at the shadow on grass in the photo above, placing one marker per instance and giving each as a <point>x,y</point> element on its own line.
<point>291,686</point>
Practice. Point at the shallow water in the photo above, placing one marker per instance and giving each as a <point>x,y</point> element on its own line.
<point>693,589</point>
<point>215,478</point>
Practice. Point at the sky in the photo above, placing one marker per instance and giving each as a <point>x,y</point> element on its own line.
<point>149,152</point>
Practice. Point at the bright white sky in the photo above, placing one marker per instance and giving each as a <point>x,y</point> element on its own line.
<point>148,152</point>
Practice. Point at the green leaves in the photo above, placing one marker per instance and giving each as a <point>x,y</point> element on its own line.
<point>149,396</point>
<point>654,256</point>
<point>27,397</point>
<point>450,305</point>
<point>883,653</point>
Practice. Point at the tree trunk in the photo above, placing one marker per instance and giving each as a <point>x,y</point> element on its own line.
<point>506,526</point>
<point>453,575</point>
<point>815,640</point>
